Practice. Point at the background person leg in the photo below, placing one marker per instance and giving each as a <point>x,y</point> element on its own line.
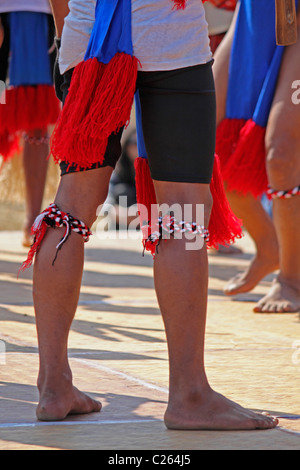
<point>283,167</point>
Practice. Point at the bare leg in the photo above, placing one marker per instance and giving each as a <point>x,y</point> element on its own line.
<point>220,70</point>
<point>261,229</point>
<point>283,165</point>
<point>250,210</point>
<point>35,166</point>
<point>56,293</point>
<point>181,279</point>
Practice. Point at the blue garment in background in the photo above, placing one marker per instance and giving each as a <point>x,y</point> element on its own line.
<point>255,62</point>
<point>30,62</point>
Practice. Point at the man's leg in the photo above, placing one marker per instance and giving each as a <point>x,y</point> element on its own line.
<point>56,291</point>
<point>255,219</point>
<point>260,227</point>
<point>35,164</point>
<point>283,166</point>
<point>181,282</point>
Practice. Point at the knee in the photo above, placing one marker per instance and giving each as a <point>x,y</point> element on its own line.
<point>282,160</point>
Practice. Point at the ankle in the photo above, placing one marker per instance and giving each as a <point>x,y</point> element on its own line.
<point>50,381</point>
<point>189,394</point>
<point>289,281</point>
<point>267,248</point>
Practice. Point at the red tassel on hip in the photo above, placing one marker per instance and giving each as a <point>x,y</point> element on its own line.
<point>99,103</point>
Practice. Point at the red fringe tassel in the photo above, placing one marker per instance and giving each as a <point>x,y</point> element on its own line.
<point>99,103</point>
<point>9,145</point>
<point>224,226</point>
<point>146,199</point>
<point>27,108</point>
<point>39,235</point>
<point>227,137</point>
<point>180,4</point>
<point>241,148</point>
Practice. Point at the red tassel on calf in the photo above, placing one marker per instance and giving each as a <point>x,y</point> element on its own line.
<point>146,200</point>
<point>39,234</point>
<point>224,227</point>
<point>99,103</point>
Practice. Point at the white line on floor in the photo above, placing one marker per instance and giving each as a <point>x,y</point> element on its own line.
<point>76,423</point>
<point>121,374</point>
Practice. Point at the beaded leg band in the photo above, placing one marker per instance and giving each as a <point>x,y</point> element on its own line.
<point>36,140</point>
<point>168,226</point>
<point>278,194</point>
<point>54,217</point>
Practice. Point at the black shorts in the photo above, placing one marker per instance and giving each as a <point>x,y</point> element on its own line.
<point>179,124</point>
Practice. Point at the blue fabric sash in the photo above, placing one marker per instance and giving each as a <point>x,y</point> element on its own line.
<point>30,62</point>
<point>255,62</point>
<point>112,34</point>
<point>112,30</point>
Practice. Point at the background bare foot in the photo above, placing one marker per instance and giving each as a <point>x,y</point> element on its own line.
<point>260,267</point>
<point>283,297</point>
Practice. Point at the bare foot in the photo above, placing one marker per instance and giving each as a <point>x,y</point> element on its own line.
<point>215,412</point>
<point>228,250</point>
<point>27,239</point>
<point>259,268</point>
<point>56,406</point>
<point>282,298</point>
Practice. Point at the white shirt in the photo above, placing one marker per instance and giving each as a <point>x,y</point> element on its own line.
<point>37,6</point>
<point>218,19</point>
<point>163,38</point>
<point>76,33</point>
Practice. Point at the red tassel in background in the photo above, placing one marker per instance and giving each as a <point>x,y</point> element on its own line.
<point>241,148</point>
<point>9,145</point>
<point>99,103</point>
<point>27,108</point>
